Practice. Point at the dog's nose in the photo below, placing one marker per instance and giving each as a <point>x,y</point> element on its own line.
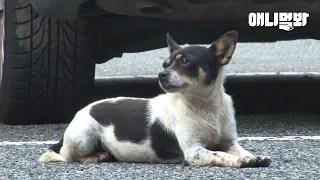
<point>163,75</point>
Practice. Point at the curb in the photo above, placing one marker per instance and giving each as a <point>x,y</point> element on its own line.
<point>253,93</point>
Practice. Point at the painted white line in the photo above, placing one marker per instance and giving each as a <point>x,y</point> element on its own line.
<point>283,138</point>
<point>227,74</point>
<point>7,143</point>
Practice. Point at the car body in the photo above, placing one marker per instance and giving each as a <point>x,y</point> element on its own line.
<point>190,21</point>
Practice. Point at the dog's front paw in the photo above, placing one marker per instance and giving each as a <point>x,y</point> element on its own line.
<point>255,161</point>
<point>263,161</point>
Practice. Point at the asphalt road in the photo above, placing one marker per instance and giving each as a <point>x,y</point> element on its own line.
<point>291,159</point>
<point>281,56</point>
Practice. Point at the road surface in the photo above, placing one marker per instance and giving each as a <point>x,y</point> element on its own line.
<point>291,159</point>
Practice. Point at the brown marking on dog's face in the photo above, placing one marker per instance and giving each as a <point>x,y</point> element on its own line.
<point>201,75</point>
<point>178,57</point>
<point>187,79</point>
<point>166,62</point>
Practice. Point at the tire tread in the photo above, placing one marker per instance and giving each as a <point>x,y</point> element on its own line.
<point>51,75</point>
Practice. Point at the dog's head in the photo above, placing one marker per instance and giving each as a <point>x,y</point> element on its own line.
<point>195,67</point>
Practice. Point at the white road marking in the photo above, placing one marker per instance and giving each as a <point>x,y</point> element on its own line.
<point>314,74</point>
<point>4,143</point>
<point>283,138</point>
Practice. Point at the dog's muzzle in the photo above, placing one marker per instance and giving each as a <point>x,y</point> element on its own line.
<point>170,81</point>
<point>164,78</point>
<point>163,75</point>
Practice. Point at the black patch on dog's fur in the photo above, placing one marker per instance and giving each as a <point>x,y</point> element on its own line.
<point>56,147</point>
<point>164,142</point>
<point>127,115</point>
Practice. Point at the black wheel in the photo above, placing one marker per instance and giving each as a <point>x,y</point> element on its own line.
<point>47,67</point>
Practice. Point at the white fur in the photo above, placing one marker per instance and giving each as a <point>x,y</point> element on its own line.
<point>200,125</point>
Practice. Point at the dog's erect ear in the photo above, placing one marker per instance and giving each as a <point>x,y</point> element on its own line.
<point>224,47</point>
<point>172,45</point>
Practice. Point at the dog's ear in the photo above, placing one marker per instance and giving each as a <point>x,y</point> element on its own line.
<point>223,48</point>
<point>172,45</point>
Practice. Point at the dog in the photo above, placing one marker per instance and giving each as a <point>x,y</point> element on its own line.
<point>192,122</point>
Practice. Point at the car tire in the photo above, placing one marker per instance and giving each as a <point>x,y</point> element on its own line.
<point>47,66</point>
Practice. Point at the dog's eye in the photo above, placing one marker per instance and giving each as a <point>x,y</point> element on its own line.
<point>184,62</point>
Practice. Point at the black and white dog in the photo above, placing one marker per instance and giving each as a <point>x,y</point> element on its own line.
<point>192,123</point>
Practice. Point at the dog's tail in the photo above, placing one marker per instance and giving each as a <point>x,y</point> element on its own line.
<point>52,154</point>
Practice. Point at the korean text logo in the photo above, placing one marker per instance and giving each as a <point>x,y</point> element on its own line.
<point>286,21</point>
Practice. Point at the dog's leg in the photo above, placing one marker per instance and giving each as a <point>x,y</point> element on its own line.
<point>202,156</point>
<point>82,141</point>
<point>229,142</point>
<point>83,150</point>
<point>233,147</point>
